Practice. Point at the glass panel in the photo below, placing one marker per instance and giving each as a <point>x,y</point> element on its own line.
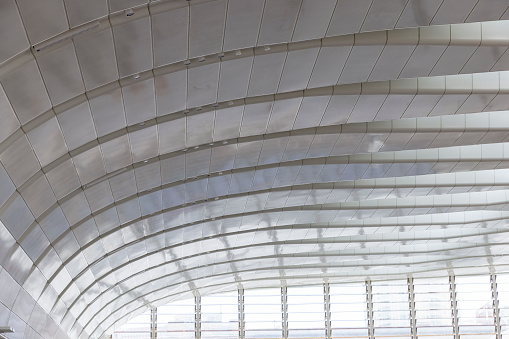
<point>433,307</point>
<point>475,305</point>
<point>263,313</point>
<point>348,305</point>
<point>176,320</point>
<point>306,312</point>
<point>220,316</point>
<point>391,309</point>
<point>138,328</point>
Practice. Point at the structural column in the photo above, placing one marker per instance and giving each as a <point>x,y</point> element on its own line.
<point>369,300</point>
<point>454,307</point>
<point>411,300</point>
<point>153,323</point>
<point>197,319</point>
<point>496,310</point>
<point>284,306</point>
<point>242,328</point>
<point>326,295</point>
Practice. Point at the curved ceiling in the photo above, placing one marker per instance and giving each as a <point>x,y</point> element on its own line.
<point>152,151</point>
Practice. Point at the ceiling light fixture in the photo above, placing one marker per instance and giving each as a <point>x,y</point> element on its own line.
<point>129,12</point>
<point>238,52</point>
<point>187,62</point>
<point>136,76</point>
<point>201,59</point>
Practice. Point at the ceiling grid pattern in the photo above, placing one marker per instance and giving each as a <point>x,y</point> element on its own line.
<point>198,146</point>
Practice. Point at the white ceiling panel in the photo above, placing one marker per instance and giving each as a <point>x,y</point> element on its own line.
<point>278,21</point>
<point>199,129</point>
<point>172,136</point>
<point>63,179</point>
<point>116,153</point>
<point>144,143</point>
<point>43,22</point>
<point>453,11</point>
<point>313,21</point>
<point>118,5</point>
<point>311,111</point>
<point>298,67</point>
<point>12,32</point>
<point>139,101</point>
<point>418,13</point>
<point>266,73</point>
<point>77,125</point>
<point>26,92</point>
<point>48,141</point>
<point>242,24</point>
<point>383,14</point>
<point>61,74</point>
<point>234,79</point>
<point>79,12</point>
<point>171,92</point>
<point>206,28</point>
<point>348,17</point>
<point>202,85</point>
<point>89,165</point>
<point>169,48</point>
<point>96,55</point>
<point>20,161</point>
<point>9,121</point>
<point>255,118</point>
<point>108,112</point>
<point>132,41</point>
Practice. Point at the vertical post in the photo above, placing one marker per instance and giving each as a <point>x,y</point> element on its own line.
<point>454,307</point>
<point>411,299</point>
<point>197,319</point>
<point>153,323</point>
<point>496,311</point>
<point>284,308</point>
<point>326,296</point>
<point>242,328</point>
<point>369,300</point>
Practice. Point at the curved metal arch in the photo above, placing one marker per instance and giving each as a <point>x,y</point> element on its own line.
<point>336,240</point>
<point>449,159</point>
<point>307,131</point>
<point>165,210</point>
<point>285,277</point>
<point>283,227</point>
<point>467,245</point>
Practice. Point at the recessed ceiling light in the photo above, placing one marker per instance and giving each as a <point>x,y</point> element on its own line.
<point>215,105</point>
<point>129,12</point>
<point>230,102</point>
<point>136,76</point>
<point>238,52</point>
<point>220,55</point>
<point>199,109</point>
<point>267,48</point>
<point>211,144</point>
<point>220,173</point>
<point>201,59</point>
<point>142,124</point>
<point>196,147</point>
<point>187,62</point>
<point>145,161</point>
<point>186,112</point>
<point>184,150</point>
<point>225,142</point>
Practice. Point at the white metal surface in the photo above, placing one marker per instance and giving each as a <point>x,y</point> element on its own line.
<point>175,147</point>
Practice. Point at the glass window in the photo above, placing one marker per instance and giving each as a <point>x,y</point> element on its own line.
<point>137,328</point>
<point>391,309</point>
<point>349,311</point>
<point>306,312</point>
<point>220,316</point>
<point>475,306</point>
<point>263,315</point>
<point>433,309</point>
<point>176,320</point>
